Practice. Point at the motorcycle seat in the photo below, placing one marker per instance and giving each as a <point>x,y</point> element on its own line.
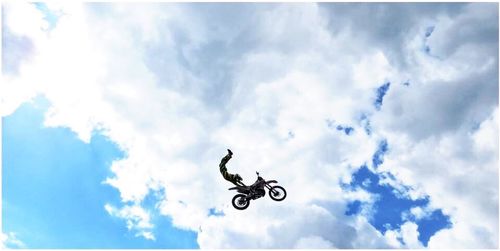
<point>238,187</point>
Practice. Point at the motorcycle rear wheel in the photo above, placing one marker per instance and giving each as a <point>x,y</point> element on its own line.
<point>277,193</point>
<point>239,202</point>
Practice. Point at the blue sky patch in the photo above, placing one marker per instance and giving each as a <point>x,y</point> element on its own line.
<point>353,208</point>
<point>53,195</point>
<point>50,16</point>
<point>392,205</point>
<point>365,123</point>
<point>428,31</point>
<point>378,157</point>
<point>429,225</point>
<point>216,212</point>
<point>427,49</point>
<point>348,130</point>
<point>381,91</point>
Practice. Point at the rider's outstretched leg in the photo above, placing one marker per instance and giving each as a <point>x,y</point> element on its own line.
<point>233,178</point>
<point>223,168</point>
<point>226,158</point>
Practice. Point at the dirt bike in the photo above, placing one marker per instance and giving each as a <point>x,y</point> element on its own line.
<point>246,193</point>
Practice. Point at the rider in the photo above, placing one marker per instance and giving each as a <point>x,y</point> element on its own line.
<point>233,178</point>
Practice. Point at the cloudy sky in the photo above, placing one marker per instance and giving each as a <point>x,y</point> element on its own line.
<point>380,120</point>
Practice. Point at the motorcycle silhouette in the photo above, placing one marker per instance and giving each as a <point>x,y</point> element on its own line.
<point>246,193</point>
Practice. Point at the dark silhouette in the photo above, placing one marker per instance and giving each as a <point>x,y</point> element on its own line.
<point>233,178</point>
<point>246,193</point>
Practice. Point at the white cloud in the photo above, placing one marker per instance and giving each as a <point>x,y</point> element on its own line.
<point>419,213</point>
<point>175,85</point>
<point>136,217</point>
<point>10,241</point>
<point>13,91</point>
<point>315,242</point>
<point>440,153</point>
<point>408,234</point>
<point>460,176</point>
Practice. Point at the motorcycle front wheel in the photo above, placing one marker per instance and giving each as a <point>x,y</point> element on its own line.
<point>239,202</point>
<point>277,193</point>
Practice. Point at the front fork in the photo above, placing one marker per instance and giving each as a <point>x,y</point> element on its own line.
<point>269,187</point>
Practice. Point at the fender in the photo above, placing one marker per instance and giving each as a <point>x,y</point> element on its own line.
<point>244,190</point>
<point>271,181</point>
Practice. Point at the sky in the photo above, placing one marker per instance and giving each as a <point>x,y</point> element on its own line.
<point>380,121</point>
